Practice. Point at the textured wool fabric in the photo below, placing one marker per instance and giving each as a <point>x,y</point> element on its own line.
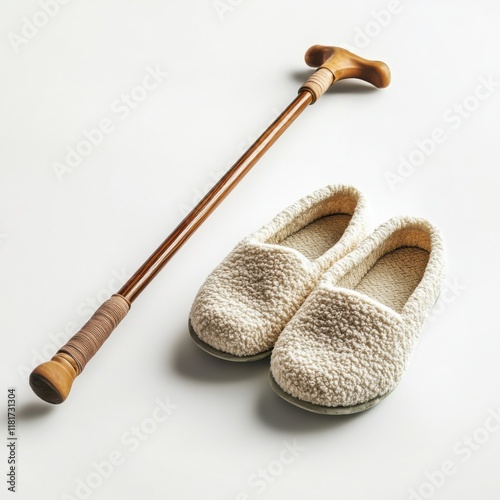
<point>353,337</point>
<point>248,299</point>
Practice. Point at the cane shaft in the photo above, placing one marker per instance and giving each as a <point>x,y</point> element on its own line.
<point>136,284</point>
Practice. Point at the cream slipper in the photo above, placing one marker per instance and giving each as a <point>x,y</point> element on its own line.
<point>249,298</point>
<point>349,344</point>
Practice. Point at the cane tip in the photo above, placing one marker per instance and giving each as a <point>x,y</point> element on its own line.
<point>52,381</point>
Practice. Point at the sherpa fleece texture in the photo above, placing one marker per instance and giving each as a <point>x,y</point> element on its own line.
<point>345,347</point>
<point>248,299</point>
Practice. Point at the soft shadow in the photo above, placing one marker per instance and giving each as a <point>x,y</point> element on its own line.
<point>342,87</point>
<point>281,415</point>
<point>33,410</point>
<point>191,362</point>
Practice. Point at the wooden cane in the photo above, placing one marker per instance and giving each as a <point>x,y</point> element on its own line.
<point>52,380</point>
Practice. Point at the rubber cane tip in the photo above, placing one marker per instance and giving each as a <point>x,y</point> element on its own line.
<point>52,381</point>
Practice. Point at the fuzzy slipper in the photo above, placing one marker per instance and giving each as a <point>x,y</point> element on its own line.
<point>349,344</point>
<point>249,298</point>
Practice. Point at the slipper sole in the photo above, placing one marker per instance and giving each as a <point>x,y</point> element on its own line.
<point>325,410</point>
<point>225,355</point>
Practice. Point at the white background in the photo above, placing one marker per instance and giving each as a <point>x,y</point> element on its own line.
<point>230,70</point>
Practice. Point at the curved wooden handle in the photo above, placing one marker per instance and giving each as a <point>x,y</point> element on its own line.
<point>336,64</point>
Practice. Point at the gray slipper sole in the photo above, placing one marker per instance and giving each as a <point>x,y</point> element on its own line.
<point>325,410</point>
<point>225,355</point>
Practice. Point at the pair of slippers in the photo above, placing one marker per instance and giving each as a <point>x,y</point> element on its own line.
<point>339,309</point>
